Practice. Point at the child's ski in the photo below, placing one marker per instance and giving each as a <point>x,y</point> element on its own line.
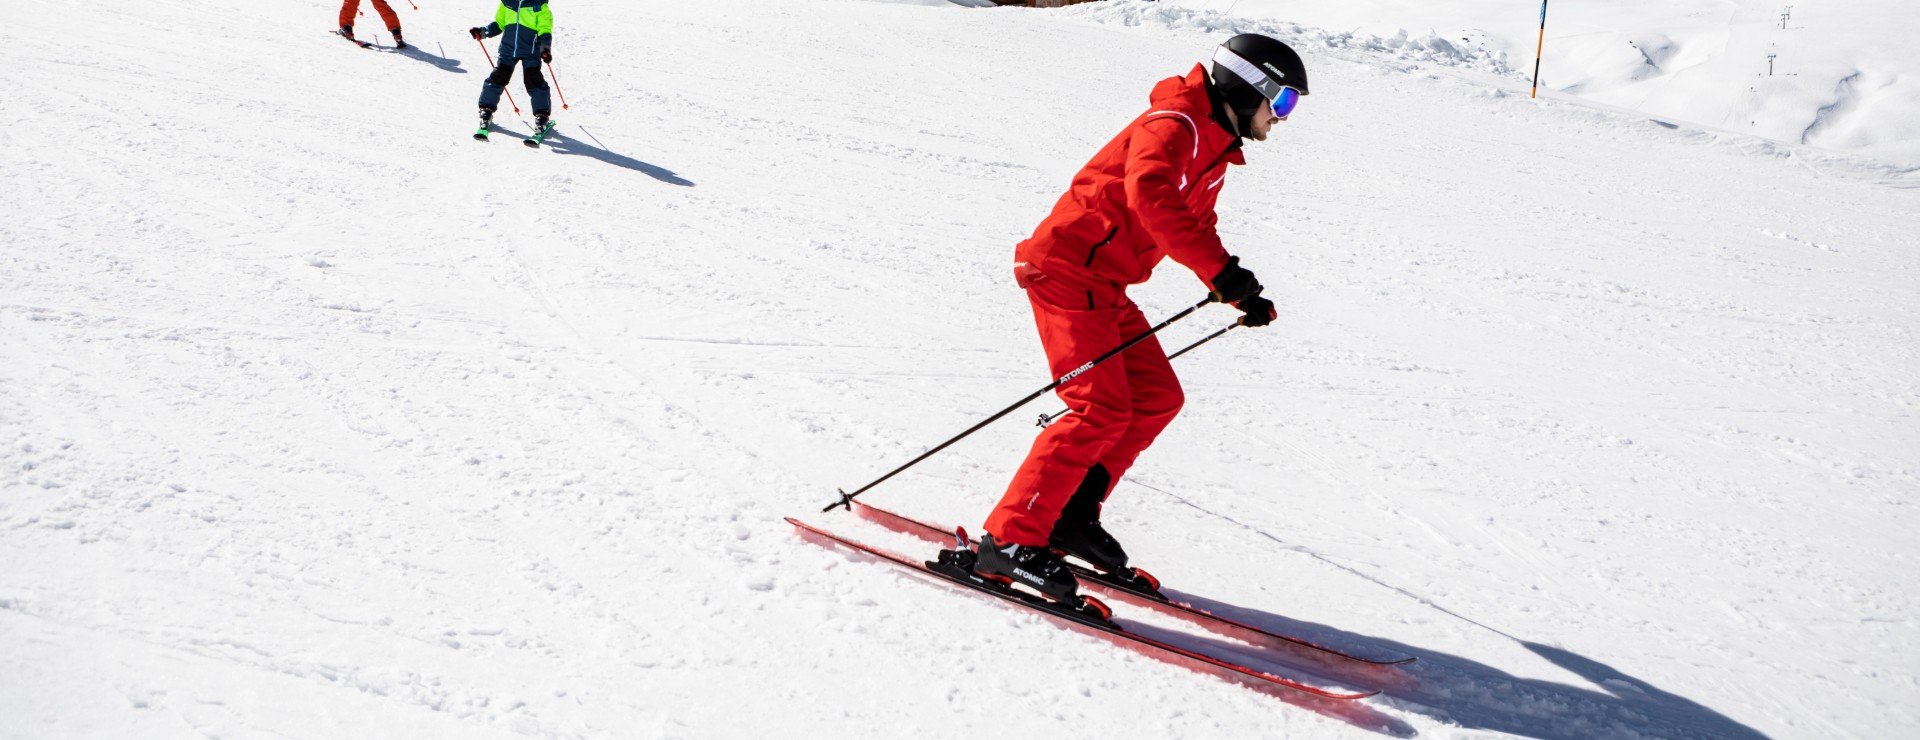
<point>539,137</point>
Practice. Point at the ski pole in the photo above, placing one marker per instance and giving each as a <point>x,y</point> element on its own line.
<point>1046,419</point>
<point>556,87</point>
<point>1539,47</point>
<point>846,499</point>
<point>510,100</point>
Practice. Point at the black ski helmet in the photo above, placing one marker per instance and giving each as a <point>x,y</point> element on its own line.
<point>1249,70</point>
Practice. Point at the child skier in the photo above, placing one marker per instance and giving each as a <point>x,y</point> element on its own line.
<point>1147,195</point>
<point>351,8</point>
<point>526,31</point>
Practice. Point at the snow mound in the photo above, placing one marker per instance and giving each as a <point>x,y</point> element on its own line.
<point>1428,48</point>
<point>1840,76</point>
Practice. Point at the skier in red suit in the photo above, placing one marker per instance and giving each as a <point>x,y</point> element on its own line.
<point>1147,195</point>
<point>351,8</point>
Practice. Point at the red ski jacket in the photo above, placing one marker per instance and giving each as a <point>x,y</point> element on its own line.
<point>1148,194</point>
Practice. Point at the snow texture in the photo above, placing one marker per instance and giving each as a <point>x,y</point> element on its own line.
<point>1837,75</point>
<point>320,419</point>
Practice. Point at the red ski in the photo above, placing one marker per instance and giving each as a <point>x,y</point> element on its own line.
<point>363,44</point>
<point>1089,619</point>
<point>1141,589</point>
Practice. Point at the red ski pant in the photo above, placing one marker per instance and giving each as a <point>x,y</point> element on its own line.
<point>351,8</point>
<point>1118,407</point>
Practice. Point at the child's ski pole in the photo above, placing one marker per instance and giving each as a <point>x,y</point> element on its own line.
<point>556,87</point>
<point>510,100</point>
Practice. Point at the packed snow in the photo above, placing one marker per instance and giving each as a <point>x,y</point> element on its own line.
<point>320,419</point>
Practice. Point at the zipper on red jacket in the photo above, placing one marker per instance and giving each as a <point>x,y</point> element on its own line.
<point>1095,249</point>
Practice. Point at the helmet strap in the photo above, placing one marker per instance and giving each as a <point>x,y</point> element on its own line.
<point>1230,116</point>
<point>1241,118</point>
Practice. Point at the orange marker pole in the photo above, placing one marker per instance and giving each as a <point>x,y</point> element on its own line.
<point>1539,47</point>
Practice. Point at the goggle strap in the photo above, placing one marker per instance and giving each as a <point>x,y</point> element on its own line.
<point>1268,87</point>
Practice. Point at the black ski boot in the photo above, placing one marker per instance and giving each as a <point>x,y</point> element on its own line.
<point>398,43</point>
<point>1035,567</point>
<point>347,31</point>
<point>486,125</point>
<point>542,125</point>
<point>1078,532</point>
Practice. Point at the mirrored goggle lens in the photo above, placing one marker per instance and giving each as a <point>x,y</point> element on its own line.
<point>1285,103</point>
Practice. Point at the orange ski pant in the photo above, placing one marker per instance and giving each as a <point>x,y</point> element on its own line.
<point>1118,408</point>
<point>351,8</point>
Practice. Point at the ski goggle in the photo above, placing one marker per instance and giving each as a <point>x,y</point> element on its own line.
<point>1285,102</point>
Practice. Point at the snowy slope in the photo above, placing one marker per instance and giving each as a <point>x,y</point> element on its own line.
<point>1842,75</point>
<point>319,419</point>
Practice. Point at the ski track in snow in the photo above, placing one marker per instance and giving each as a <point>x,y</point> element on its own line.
<point>320,419</point>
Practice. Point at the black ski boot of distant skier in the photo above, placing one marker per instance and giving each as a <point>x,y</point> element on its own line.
<point>398,42</point>
<point>1034,567</point>
<point>486,125</point>
<point>346,32</point>
<point>542,125</point>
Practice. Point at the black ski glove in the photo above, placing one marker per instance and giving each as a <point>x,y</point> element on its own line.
<point>546,55</point>
<point>1234,283</point>
<point>477,32</point>
<point>1260,311</point>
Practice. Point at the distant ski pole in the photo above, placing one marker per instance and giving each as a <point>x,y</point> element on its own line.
<point>510,100</point>
<point>556,87</point>
<point>1046,419</point>
<point>1539,47</point>
<point>846,499</point>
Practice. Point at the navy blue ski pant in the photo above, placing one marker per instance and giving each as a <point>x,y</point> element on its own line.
<point>536,85</point>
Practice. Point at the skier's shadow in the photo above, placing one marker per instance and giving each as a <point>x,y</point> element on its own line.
<point>1357,713</point>
<point>563,144</point>
<point>445,63</point>
<point>1473,695</point>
